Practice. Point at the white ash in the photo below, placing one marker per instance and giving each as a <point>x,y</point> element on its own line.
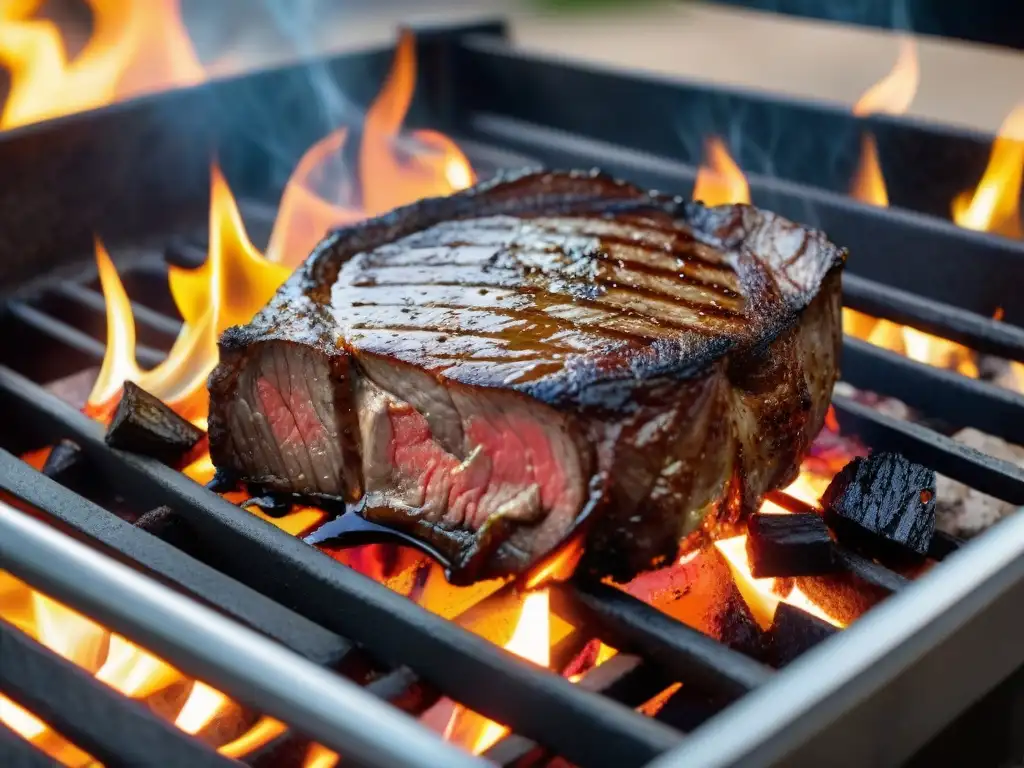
<point>888,406</point>
<point>963,511</point>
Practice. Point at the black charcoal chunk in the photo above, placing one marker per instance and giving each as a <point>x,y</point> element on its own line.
<point>792,633</point>
<point>143,424</point>
<point>66,463</point>
<point>789,545</point>
<point>883,506</point>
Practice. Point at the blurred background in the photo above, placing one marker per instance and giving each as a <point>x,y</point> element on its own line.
<point>972,70</point>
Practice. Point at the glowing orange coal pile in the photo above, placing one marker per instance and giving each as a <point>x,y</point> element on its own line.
<point>135,47</point>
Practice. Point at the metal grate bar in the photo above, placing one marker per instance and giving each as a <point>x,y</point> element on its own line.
<point>983,334</point>
<point>15,752</point>
<point>629,624</point>
<point>943,454</point>
<point>238,601</point>
<point>244,664</point>
<point>109,726</point>
<point>627,679</point>
<point>957,399</point>
<point>143,315</point>
<point>531,701</point>
<point>74,338</point>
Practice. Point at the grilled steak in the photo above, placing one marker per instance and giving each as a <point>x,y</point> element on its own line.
<point>541,356</point>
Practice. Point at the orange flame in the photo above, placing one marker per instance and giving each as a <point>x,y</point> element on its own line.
<point>394,169</point>
<point>761,595</point>
<point>720,180</point>
<point>531,640</point>
<point>113,660</point>
<point>320,757</point>
<point>892,95</point>
<point>994,205</point>
<point>135,47</point>
<point>230,287</point>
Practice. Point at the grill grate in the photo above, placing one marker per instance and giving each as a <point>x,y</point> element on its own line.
<point>257,576</point>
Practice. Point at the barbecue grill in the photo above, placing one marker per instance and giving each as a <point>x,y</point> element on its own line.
<point>338,657</point>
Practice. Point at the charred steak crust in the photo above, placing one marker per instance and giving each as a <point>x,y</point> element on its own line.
<point>544,355</point>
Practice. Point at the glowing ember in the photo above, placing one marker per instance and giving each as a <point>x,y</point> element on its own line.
<point>531,640</point>
<point>320,757</point>
<point>114,661</point>
<point>994,205</point>
<point>720,180</point>
<point>892,95</point>
<point>135,47</point>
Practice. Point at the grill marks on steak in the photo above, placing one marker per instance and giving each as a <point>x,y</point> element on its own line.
<point>486,371</point>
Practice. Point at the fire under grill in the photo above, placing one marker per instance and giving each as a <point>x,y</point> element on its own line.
<point>316,657</point>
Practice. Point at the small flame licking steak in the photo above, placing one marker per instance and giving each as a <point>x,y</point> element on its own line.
<point>540,355</point>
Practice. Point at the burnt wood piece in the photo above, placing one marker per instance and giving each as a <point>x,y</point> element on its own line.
<point>883,505</point>
<point>942,545</point>
<point>143,424</point>
<point>561,315</point>
<point>797,544</point>
<point>66,463</point>
<point>793,631</point>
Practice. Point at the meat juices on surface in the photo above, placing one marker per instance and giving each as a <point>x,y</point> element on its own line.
<point>479,370</point>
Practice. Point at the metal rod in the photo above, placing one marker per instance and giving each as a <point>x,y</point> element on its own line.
<point>237,600</point>
<point>625,678</point>
<point>978,332</point>
<point>244,664</point>
<point>949,637</point>
<point>15,752</point>
<point>93,716</point>
<point>870,571</point>
<point>956,399</point>
<point>632,625</point>
<point>473,671</point>
<point>74,338</point>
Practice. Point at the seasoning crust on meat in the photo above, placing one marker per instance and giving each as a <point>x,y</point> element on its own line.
<point>544,355</point>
